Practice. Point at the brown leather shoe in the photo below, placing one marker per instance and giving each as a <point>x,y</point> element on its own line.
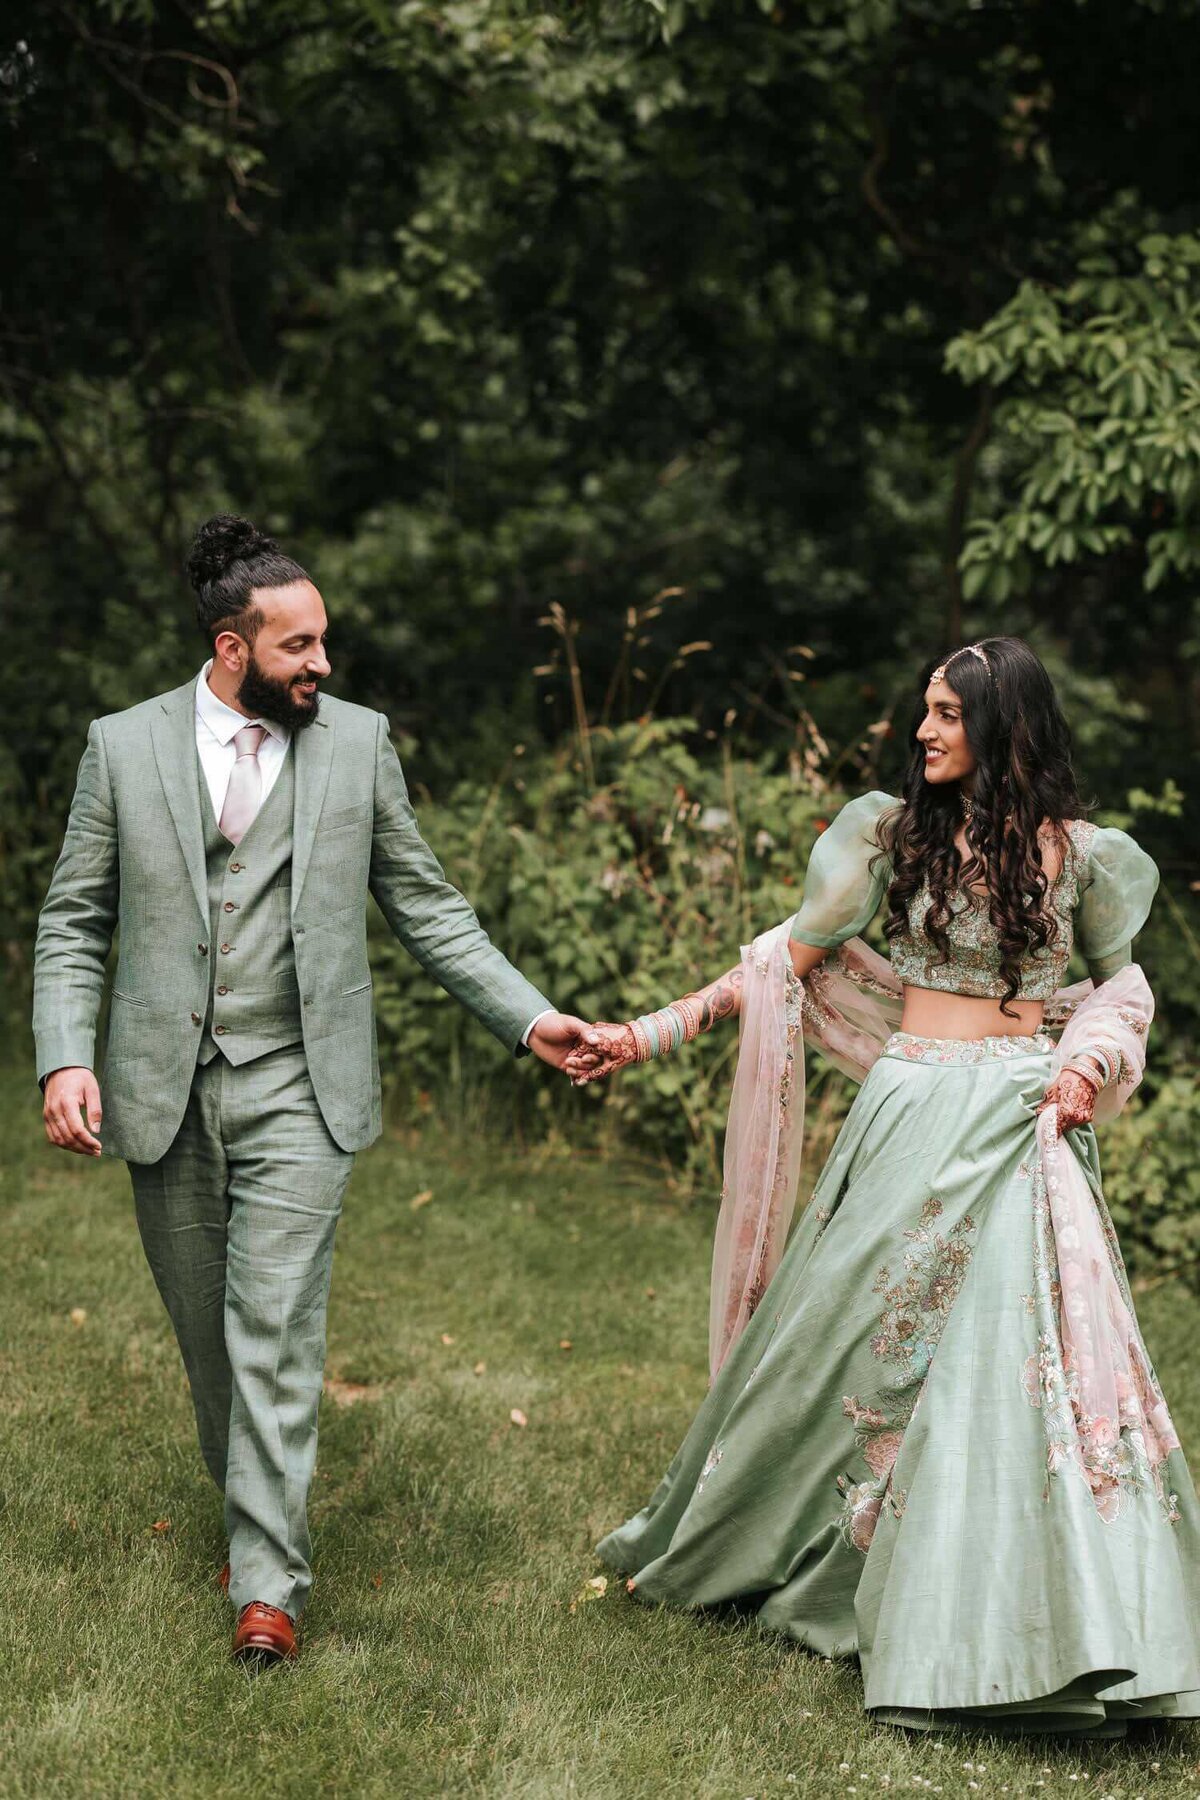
<point>223,1579</point>
<point>265,1632</point>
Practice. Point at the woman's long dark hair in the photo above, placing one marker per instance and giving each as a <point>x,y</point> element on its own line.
<point>1022,746</point>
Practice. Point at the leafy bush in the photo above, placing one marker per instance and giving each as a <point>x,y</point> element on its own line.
<point>616,884</point>
<point>1151,1166</point>
<point>619,889</point>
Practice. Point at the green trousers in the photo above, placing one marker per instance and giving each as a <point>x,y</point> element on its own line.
<point>238,1220</point>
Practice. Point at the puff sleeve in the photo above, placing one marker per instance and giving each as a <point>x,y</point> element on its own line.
<point>1115,892</point>
<point>841,893</point>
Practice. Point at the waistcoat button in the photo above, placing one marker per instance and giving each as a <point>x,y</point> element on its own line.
<point>221,1030</point>
<point>203,949</point>
<point>222,990</point>
<point>229,906</point>
<point>225,949</point>
<point>196,1020</point>
<point>236,868</point>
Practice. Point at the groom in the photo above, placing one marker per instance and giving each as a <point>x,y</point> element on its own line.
<point>233,828</point>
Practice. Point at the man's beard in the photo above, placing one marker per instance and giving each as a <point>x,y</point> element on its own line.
<point>262,696</point>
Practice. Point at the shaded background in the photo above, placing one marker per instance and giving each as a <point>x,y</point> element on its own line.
<point>649,388</point>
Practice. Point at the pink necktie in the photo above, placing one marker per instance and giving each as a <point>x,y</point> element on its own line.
<point>244,794</point>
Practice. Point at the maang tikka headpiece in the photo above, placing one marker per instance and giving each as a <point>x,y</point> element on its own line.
<point>939,674</point>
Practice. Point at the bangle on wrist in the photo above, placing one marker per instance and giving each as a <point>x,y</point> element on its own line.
<point>1106,1060</point>
<point>658,1033</point>
<point>1091,1076</point>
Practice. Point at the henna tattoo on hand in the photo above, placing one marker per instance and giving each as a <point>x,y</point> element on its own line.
<point>617,1045</point>
<point>1074,1097</point>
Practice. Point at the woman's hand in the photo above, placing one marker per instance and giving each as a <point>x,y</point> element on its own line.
<point>606,1047</point>
<point>1074,1097</point>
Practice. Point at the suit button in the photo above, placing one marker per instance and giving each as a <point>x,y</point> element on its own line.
<point>236,868</point>
<point>221,1030</point>
<point>229,906</point>
<point>203,949</point>
<point>222,990</point>
<point>196,1019</point>
<point>225,949</point>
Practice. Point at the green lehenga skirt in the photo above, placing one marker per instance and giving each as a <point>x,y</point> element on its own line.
<point>881,1469</point>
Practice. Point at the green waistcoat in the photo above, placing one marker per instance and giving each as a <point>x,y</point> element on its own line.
<point>253,993</point>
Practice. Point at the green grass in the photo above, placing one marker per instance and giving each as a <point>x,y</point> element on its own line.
<point>441,1654</point>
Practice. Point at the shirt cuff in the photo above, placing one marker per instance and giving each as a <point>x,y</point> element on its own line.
<point>528,1031</point>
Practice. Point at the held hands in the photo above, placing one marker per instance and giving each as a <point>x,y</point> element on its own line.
<point>560,1038</point>
<point>607,1047</point>
<point>67,1092</point>
<point>1074,1097</point>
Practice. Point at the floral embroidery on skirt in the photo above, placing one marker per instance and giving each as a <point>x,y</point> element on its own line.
<point>915,1312</point>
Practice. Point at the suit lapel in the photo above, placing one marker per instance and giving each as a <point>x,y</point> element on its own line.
<point>173,733</point>
<point>313,751</point>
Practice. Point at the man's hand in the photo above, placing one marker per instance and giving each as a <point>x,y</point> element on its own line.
<point>68,1091</point>
<point>559,1035</point>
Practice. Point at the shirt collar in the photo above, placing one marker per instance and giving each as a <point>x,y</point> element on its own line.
<point>223,720</point>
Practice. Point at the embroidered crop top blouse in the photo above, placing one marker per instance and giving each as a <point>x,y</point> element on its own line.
<point>1101,899</point>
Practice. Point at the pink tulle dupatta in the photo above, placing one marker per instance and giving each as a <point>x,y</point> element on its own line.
<point>849,1006</point>
<point>1110,1386</point>
<point>763,1141</point>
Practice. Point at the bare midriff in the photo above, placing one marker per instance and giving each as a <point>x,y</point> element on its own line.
<point>930,1013</point>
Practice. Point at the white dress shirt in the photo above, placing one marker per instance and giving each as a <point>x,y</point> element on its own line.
<point>215,726</point>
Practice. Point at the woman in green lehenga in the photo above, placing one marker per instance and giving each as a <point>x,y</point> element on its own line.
<point>933,1438</point>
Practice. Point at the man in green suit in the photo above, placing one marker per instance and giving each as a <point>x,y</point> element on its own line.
<point>232,828</point>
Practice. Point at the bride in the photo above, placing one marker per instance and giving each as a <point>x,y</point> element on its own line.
<point>933,1438</point>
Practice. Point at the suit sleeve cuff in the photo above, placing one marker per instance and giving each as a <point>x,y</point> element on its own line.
<point>528,1031</point>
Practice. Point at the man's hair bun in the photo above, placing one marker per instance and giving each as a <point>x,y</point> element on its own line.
<point>221,541</point>
<point>229,562</point>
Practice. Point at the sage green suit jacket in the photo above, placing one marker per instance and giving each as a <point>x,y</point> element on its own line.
<point>133,857</point>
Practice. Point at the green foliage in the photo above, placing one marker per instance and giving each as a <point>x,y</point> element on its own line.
<point>613,893</point>
<point>488,305</point>
<point>1151,1166</point>
<point>1100,427</point>
<point>637,310</point>
<point>619,890</point>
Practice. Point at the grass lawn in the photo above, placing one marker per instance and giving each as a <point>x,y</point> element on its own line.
<point>448,1649</point>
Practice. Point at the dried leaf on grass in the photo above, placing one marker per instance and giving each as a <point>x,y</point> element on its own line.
<point>595,1589</point>
<point>518,1417</point>
<point>421,1199</point>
